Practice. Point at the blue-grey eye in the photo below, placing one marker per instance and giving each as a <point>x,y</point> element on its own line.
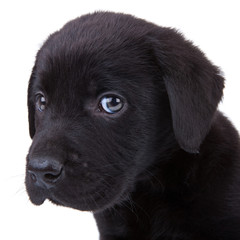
<point>40,102</point>
<point>111,104</point>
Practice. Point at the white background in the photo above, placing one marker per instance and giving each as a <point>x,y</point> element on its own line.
<point>212,25</point>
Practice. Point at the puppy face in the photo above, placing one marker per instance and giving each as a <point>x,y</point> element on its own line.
<point>108,98</point>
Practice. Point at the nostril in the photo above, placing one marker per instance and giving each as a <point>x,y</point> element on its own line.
<point>33,176</point>
<point>44,172</point>
<point>52,177</point>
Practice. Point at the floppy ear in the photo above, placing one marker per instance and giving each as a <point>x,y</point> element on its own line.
<point>31,104</point>
<point>194,87</point>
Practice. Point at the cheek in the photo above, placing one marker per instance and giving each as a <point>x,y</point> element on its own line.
<point>121,143</point>
<point>107,147</point>
<point>39,119</point>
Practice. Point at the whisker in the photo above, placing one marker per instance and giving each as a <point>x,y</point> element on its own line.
<point>92,198</point>
<point>155,178</point>
<point>17,176</point>
<point>20,191</point>
<point>108,184</point>
<point>143,210</point>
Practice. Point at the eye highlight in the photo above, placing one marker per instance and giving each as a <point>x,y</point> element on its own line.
<point>40,102</point>
<point>111,104</point>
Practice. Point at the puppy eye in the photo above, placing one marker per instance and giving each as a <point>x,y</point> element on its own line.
<point>111,104</point>
<point>40,102</point>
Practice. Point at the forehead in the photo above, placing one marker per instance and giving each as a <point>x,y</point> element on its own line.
<point>91,56</point>
<point>89,72</point>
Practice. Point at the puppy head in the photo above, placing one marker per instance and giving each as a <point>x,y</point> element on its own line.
<point>108,96</point>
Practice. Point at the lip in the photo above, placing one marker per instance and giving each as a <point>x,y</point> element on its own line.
<point>91,199</point>
<point>37,199</point>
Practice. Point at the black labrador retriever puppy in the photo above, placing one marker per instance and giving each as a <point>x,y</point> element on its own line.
<point>124,121</point>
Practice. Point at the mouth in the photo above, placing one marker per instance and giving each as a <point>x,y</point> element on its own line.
<point>37,196</point>
<point>97,199</point>
<point>87,203</point>
<point>74,192</point>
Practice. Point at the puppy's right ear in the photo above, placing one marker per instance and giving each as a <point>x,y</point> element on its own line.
<point>31,104</point>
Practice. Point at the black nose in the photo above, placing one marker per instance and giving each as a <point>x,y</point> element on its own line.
<point>45,172</point>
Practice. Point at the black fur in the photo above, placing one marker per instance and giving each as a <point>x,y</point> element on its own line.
<point>166,166</point>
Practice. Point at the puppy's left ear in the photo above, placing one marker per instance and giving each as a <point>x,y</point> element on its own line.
<point>194,87</point>
<point>31,104</point>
